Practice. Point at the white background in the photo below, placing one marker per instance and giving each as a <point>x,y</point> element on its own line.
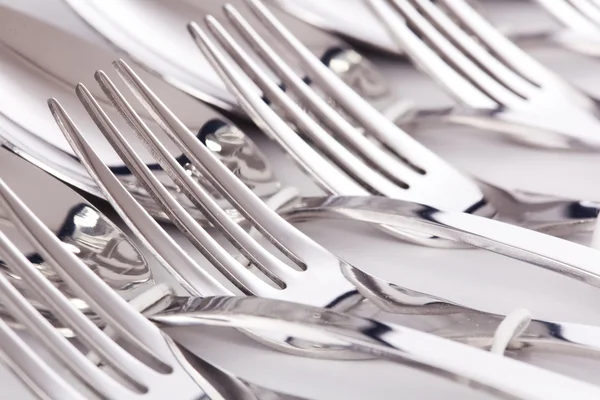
<point>471,277</point>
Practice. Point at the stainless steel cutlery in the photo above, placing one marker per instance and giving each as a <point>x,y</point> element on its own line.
<point>83,230</point>
<point>146,363</point>
<point>84,313</point>
<point>39,60</point>
<point>159,365</point>
<point>150,32</point>
<point>150,368</point>
<point>308,273</point>
<point>580,21</point>
<point>500,86</point>
<point>346,162</point>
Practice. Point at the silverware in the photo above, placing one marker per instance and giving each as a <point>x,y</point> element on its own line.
<point>498,85</point>
<point>580,21</point>
<point>39,60</point>
<point>310,274</point>
<point>83,230</point>
<point>387,162</point>
<point>150,32</point>
<point>268,314</point>
<point>161,369</point>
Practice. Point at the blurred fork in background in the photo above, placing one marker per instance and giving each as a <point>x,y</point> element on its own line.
<point>499,86</point>
<point>150,32</point>
<point>581,21</point>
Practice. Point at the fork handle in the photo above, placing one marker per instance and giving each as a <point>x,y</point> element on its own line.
<point>553,215</point>
<point>565,258</point>
<point>478,328</point>
<point>435,355</point>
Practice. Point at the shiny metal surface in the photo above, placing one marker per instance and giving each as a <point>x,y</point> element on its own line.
<point>416,174</point>
<point>349,163</point>
<point>388,340</point>
<point>499,86</point>
<point>152,32</point>
<point>160,365</point>
<point>82,229</point>
<point>580,32</point>
<point>310,274</point>
<point>150,368</point>
<point>581,22</point>
<point>38,60</point>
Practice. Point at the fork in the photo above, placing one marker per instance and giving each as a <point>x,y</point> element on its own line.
<point>310,274</point>
<point>357,165</point>
<point>160,367</point>
<point>581,22</point>
<point>581,15</point>
<point>498,85</point>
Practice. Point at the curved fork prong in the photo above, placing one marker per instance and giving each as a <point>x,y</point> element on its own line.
<point>349,162</point>
<point>589,8</point>
<point>209,247</point>
<point>492,65</point>
<point>32,369</point>
<point>441,45</point>
<point>262,259</point>
<point>427,60</point>
<point>192,277</point>
<point>289,240</point>
<point>84,282</point>
<point>382,160</point>
<point>502,47</point>
<point>310,160</point>
<point>84,328</point>
<point>358,108</point>
<point>565,12</point>
<point>26,313</point>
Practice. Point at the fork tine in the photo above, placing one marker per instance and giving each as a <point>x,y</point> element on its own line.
<point>83,327</point>
<point>335,150</point>
<point>32,369</point>
<point>289,240</point>
<point>88,286</point>
<point>327,175</point>
<point>502,73</point>
<point>565,13</point>
<point>358,108</point>
<point>501,46</point>
<point>588,8</point>
<point>43,330</point>
<point>317,105</point>
<point>194,278</point>
<point>210,248</point>
<point>427,59</point>
<point>262,259</point>
<point>455,56</point>
<point>569,16</point>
